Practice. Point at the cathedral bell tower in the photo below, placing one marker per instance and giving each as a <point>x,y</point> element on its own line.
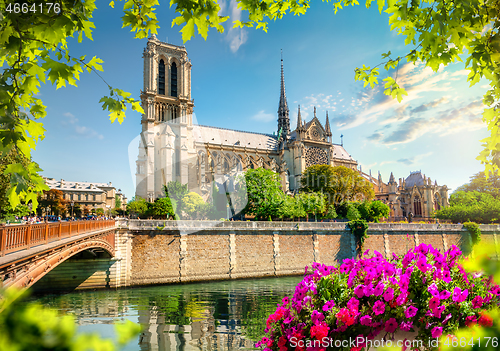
<point>283,112</point>
<point>168,108</point>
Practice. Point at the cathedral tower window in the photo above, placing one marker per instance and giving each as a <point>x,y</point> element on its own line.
<point>173,80</point>
<point>161,78</point>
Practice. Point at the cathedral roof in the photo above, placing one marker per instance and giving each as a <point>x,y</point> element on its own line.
<point>229,137</point>
<point>415,178</point>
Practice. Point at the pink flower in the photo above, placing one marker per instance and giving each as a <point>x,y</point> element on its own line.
<point>445,294</point>
<point>319,331</point>
<point>391,325</point>
<point>353,304</point>
<point>433,289</point>
<point>379,289</point>
<point>438,310</point>
<point>437,332</point>
<point>434,302</point>
<point>477,302</point>
<point>368,290</point>
<point>378,308</point>
<point>317,317</point>
<point>411,312</point>
<point>406,326</point>
<point>366,320</point>
<point>359,291</point>
<point>459,295</point>
<point>328,305</point>
<point>389,294</point>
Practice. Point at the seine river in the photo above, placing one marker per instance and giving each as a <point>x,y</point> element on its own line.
<point>229,315</point>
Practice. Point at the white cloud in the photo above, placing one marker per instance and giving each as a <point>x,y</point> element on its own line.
<point>235,36</point>
<point>71,121</point>
<point>263,117</point>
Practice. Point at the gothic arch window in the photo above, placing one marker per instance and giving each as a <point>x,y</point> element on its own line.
<point>173,80</point>
<point>437,205</point>
<point>417,206</point>
<point>161,78</point>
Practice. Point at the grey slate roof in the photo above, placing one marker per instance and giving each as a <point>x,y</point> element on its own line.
<point>75,186</point>
<point>229,137</point>
<point>415,178</point>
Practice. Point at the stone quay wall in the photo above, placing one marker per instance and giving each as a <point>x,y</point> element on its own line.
<point>164,252</point>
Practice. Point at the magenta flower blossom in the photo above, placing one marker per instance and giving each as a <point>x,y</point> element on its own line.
<point>437,332</point>
<point>444,295</point>
<point>389,294</point>
<point>353,304</point>
<point>359,291</point>
<point>433,289</point>
<point>401,299</point>
<point>366,320</point>
<point>328,305</point>
<point>379,289</point>
<point>477,302</point>
<point>459,295</point>
<point>391,325</point>
<point>434,302</point>
<point>410,312</point>
<point>317,317</point>
<point>406,326</point>
<point>378,308</point>
<point>446,276</point>
<point>368,290</point>
<point>436,312</point>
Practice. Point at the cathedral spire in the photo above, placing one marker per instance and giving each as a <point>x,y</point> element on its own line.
<point>299,120</point>
<point>327,126</point>
<point>283,112</point>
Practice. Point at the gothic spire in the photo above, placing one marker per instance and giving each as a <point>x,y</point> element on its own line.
<point>299,120</point>
<point>283,111</point>
<point>391,179</point>
<point>327,126</point>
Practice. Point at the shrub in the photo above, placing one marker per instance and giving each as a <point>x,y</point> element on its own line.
<point>359,229</point>
<point>352,213</point>
<point>424,290</point>
<point>474,231</point>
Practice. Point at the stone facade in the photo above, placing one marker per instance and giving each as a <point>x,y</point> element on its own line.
<point>416,194</point>
<point>174,148</point>
<point>88,195</point>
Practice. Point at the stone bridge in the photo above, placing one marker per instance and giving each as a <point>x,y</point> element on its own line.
<point>29,252</point>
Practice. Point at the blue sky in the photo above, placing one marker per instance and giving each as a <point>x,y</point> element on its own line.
<point>235,84</point>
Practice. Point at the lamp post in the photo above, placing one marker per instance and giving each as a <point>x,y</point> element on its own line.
<point>109,209</point>
<point>72,204</point>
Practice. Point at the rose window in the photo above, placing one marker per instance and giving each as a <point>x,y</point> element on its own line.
<point>316,156</point>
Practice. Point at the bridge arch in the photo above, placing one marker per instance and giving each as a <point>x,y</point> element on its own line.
<point>26,272</point>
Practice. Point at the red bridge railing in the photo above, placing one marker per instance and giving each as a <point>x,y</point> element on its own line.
<point>22,237</point>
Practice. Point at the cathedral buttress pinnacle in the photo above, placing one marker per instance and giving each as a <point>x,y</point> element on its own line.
<point>327,126</point>
<point>283,112</point>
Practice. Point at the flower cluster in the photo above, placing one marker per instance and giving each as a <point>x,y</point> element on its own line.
<point>424,290</point>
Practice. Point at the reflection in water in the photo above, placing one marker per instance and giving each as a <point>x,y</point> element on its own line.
<point>204,316</point>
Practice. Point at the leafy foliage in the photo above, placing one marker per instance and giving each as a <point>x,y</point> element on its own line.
<point>471,206</point>
<point>312,203</point>
<point>139,206</point>
<point>191,201</point>
<point>118,202</point>
<point>359,229</point>
<point>340,184</point>
<point>264,194</point>
<point>162,208</point>
<point>54,200</point>
<point>30,326</point>
<point>474,231</point>
<point>479,182</point>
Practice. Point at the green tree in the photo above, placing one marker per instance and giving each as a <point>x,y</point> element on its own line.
<point>478,182</point>
<point>330,213</point>
<point>54,200</point>
<point>118,202</point>
<point>163,208</point>
<point>263,193</point>
<point>190,202</point>
<point>372,211</point>
<point>352,213</point>
<point>471,206</point>
<point>99,212</point>
<point>33,49</point>
<point>291,208</point>
<point>138,206</point>
<point>340,184</point>
<point>312,203</point>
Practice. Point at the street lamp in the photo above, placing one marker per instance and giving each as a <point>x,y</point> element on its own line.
<point>72,204</point>
<point>109,209</point>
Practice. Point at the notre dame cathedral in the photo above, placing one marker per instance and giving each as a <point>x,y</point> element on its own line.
<point>173,148</point>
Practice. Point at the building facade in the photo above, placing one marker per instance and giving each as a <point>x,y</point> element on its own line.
<point>173,148</point>
<point>88,195</point>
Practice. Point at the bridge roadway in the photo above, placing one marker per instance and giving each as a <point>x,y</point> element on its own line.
<point>28,252</point>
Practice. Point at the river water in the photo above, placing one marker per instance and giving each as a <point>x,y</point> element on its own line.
<point>227,315</point>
